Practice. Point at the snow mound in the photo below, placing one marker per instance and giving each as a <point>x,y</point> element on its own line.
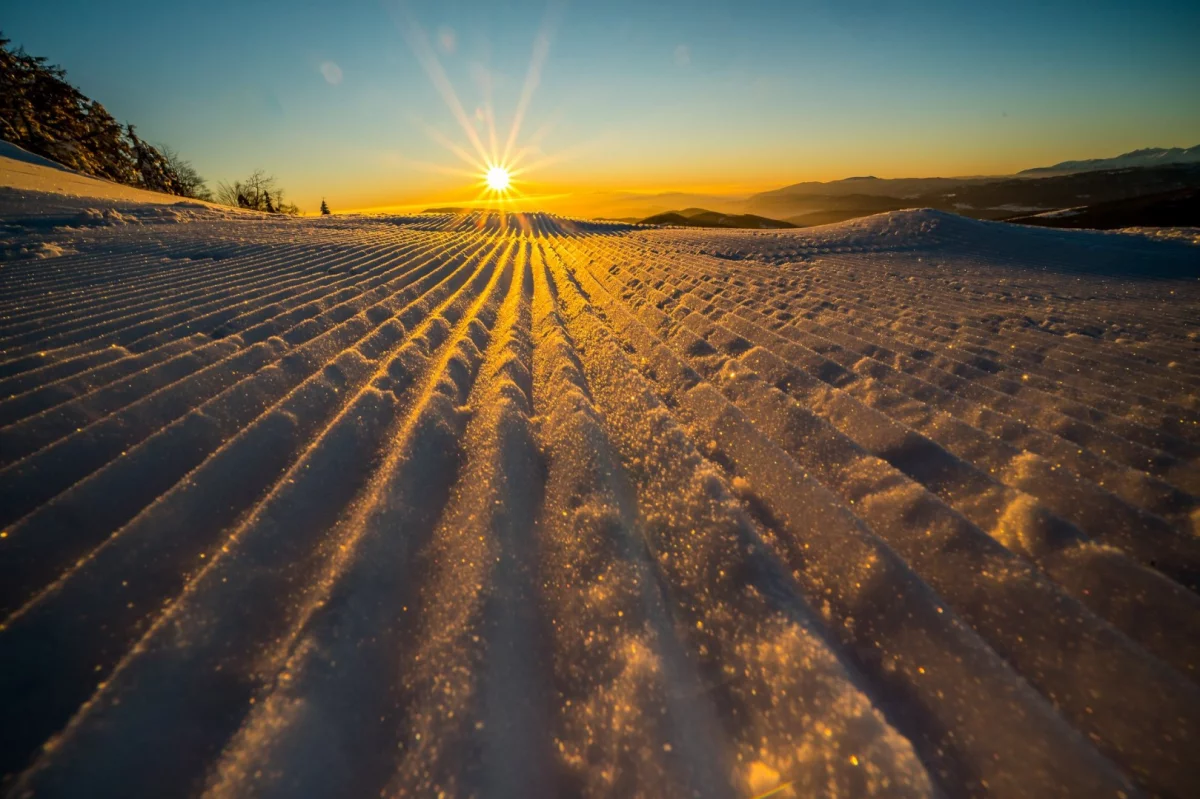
<point>1186,235</point>
<point>939,237</point>
<point>12,152</point>
<point>102,217</point>
<point>33,249</point>
<point>22,173</point>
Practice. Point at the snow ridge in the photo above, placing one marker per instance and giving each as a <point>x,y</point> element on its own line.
<point>518,505</point>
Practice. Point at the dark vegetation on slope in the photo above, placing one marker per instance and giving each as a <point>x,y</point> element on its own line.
<point>1175,208</point>
<point>42,113</point>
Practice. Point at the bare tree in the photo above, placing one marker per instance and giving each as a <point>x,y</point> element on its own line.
<point>227,194</point>
<point>190,182</point>
<point>258,192</point>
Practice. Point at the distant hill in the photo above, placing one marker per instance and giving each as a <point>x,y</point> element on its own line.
<point>1175,208</point>
<point>869,185</point>
<point>831,215</point>
<point>846,199</point>
<point>638,205</point>
<point>701,217</point>
<point>1148,157</point>
<point>824,209</point>
<point>1004,198</point>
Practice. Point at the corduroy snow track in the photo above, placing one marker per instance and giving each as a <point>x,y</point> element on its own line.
<point>512,505</point>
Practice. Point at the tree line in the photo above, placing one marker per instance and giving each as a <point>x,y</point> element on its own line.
<point>42,113</point>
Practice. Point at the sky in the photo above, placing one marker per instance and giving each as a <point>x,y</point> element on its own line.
<point>349,100</point>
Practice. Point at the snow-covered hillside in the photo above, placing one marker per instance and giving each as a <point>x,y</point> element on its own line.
<point>524,506</point>
<point>55,187</point>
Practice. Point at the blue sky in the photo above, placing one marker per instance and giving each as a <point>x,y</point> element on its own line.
<point>714,96</point>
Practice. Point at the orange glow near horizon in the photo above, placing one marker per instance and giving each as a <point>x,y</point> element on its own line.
<point>514,156</point>
<point>498,165</point>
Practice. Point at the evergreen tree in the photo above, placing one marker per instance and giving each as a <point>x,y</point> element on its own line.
<point>324,208</point>
<point>151,170</point>
<point>42,113</point>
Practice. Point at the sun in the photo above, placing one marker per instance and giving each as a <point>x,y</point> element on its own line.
<point>497,178</point>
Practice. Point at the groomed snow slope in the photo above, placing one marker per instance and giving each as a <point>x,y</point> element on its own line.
<point>524,507</point>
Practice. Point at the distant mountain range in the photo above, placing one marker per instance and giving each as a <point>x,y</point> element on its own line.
<point>870,185</point>
<point>1113,183</point>
<point>1026,198</point>
<point>1032,191</point>
<point>1151,156</point>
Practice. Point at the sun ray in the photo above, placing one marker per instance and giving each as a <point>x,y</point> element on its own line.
<point>490,116</point>
<point>418,41</point>
<point>440,169</point>
<point>496,172</point>
<point>534,143</point>
<point>533,76</point>
<point>442,139</point>
<point>574,151</point>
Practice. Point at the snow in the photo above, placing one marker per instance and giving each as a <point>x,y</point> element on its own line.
<point>15,157</point>
<point>1062,212</point>
<point>37,194</point>
<point>1181,234</point>
<point>1013,208</point>
<point>525,505</point>
<point>22,172</point>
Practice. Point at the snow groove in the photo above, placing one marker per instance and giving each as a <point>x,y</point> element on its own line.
<point>517,505</point>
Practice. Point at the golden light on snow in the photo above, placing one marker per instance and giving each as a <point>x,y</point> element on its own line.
<point>498,178</point>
